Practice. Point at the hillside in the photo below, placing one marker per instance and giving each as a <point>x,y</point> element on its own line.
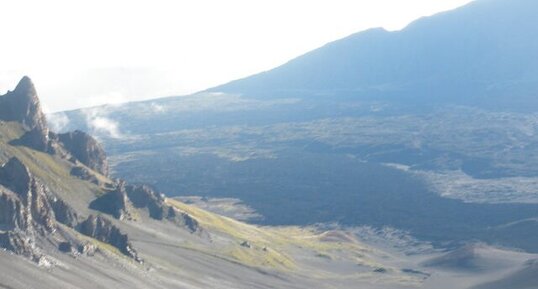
<point>459,163</point>
<point>481,54</point>
<point>67,224</point>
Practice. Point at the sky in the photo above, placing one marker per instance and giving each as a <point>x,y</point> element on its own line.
<point>87,53</point>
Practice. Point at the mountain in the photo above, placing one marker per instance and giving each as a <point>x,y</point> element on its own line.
<point>524,278</point>
<point>23,105</point>
<point>481,54</point>
<point>65,223</point>
<point>409,130</point>
<point>397,160</point>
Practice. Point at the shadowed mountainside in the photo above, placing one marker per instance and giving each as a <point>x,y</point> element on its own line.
<point>475,55</point>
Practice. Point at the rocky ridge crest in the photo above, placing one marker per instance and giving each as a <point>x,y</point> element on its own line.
<point>32,216</point>
<point>22,105</point>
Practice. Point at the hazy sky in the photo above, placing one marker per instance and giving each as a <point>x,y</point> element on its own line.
<point>84,53</point>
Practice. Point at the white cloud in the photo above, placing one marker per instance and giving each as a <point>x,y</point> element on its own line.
<point>157,107</point>
<point>100,125</point>
<point>58,122</point>
<point>145,49</point>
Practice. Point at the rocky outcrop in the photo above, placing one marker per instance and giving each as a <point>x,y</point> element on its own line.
<point>115,203</point>
<point>86,249</point>
<point>15,176</point>
<point>22,105</point>
<point>22,244</point>
<point>28,201</point>
<point>64,213</point>
<point>25,212</point>
<point>122,201</point>
<point>144,197</point>
<point>85,149</point>
<point>12,212</point>
<point>103,230</point>
<point>84,174</point>
<point>31,216</point>
<point>184,220</point>
<point>35,139</point>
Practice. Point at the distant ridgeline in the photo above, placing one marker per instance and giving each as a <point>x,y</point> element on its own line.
<point>310,141</point>
<point>484,54</point>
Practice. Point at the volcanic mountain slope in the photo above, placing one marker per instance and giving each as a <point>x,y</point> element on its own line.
<point>316,139</point>
<point>524,278</point>
<point>65,223</point>
<point>482,54</point>
<point>471,266</point>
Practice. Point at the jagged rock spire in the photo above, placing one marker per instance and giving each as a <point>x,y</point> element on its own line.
<point>22,105</point>
<point>25,86</point>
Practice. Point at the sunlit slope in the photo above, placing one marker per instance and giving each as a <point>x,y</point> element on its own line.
<point>53,170</point>
<point>223,248</point>
<point>306,251</point>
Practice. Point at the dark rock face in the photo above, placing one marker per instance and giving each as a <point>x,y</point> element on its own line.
<point>30,215</point>
<point>125,198</point>
<point>24,210</point>
<point>22,105</point>
<point>12,213</point>
<point>35,139</point>
<point>85,149</point>
<point>246,244</point>
<point>103,230</point>
<point>29,212</point>
<point>15,176</point>
<point>183,219</point>
<point>145,197</point>
<point>115,203</point>
<point>64,214</point>
<point>28,200</point>
<point>65,247</point>
<point>21,244</point>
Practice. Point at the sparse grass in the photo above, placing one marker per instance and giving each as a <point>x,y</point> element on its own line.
<point>257,257</point>
<point>10,131</point>
<point>275,248</point>
<point>239,232</point>
<point>272,247</point>
<point>50,169</point>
